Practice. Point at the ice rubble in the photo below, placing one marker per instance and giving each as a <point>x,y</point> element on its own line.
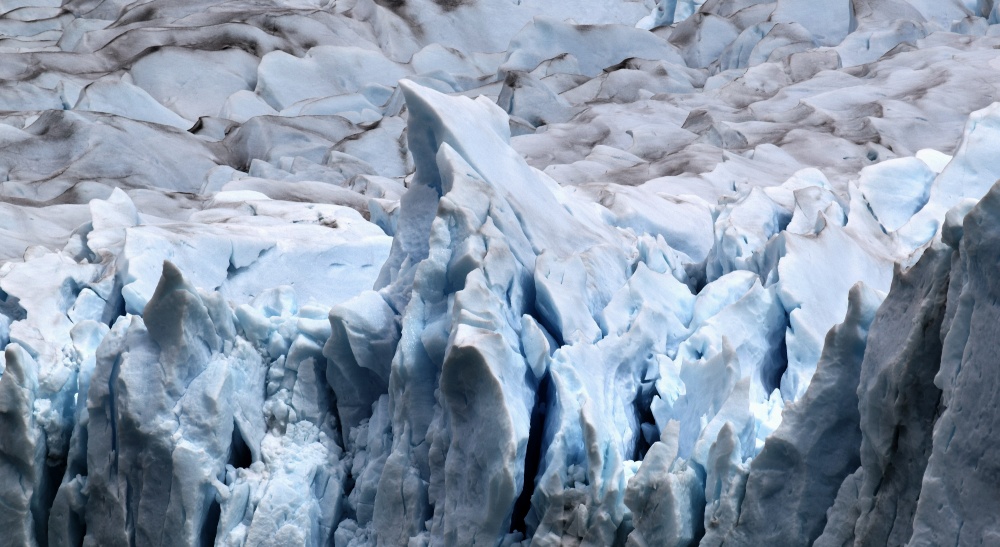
<point>455,273</point>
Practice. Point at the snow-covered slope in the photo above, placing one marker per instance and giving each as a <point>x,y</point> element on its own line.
<point>595,272</point>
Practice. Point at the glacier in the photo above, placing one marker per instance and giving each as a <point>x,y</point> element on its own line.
<point>624,273</point>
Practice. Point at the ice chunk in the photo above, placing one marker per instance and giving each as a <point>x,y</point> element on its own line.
<point>365,331</point>
<point>545,39</point>
<point>702,38</point>
<point>45,287</point>
<point>163,394</point>
<point>665,504</point>
<point>896,189</point>
<point>327,247</point>
<point>195,83</point>
<point>243,105</point>
<point>829,24</point>
<point>903,354</point>
<point>663,14</point>
<point>725,484</point>
<point>804,461</point>
<point>685,222</point>
<point>828,274</point>
<point>934,159</point>
<point>283,80</point>
<point>969,175</point>
<point>22,471</point>
<point>82,151</point>
<point>532,101</point>
<point>124,99</point>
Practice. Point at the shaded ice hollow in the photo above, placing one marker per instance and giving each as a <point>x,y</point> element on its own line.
<point>452,273</point>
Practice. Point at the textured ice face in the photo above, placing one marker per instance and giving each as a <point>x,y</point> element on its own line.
<point>479,273</point>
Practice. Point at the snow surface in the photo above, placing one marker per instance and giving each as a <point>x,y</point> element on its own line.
<point>456,272</point>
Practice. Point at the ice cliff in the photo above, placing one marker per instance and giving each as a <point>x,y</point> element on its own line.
<point>456,273</point>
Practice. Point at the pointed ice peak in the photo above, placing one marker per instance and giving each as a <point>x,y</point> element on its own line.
<point>436,119</point>
<point>111,217</point>
<point>117,210</point>
<point>179,321</point>
<point>22,450</point>
<point>478,132</point>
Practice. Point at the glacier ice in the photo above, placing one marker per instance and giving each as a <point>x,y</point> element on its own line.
<point>442,272</point>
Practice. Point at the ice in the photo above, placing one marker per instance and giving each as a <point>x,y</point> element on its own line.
<point>197,415</point>
<point>364,335</point>
<point>802,464</point>
<point>158,417</point>
<point>702,38</point>
<point>908,358</point>
<point>491,287</point>
<point>244,105</point>
<point>124,99</point>
<point>828,25</point>
<point>968,176</point>
<point>896,189</point>
<point>249,256</point>
<point>545,39</point>
<point>23,449</point>
<point>194,84</point>
<point>838,258</point>
<point>283,80</point>
<point>60,147</point>
<point>531,102</point>
<point>944,511</point>
<point>435,272</point>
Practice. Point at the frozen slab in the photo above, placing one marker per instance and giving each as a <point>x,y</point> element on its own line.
<point>328,246</point>
<point>545,39</point>
<point>283,80</point>
<point>124,99</point>
<point>80,154</point>
<point>896,189</point>
<point>195,83</point>
<point>829,24</point>
<point>970,176</point>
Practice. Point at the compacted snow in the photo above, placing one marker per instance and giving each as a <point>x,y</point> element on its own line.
<point>494,272</point>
